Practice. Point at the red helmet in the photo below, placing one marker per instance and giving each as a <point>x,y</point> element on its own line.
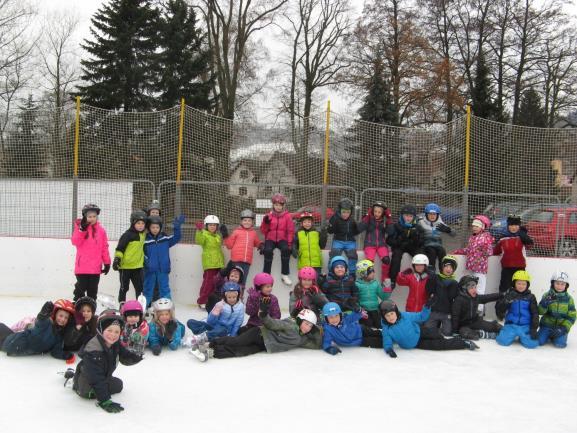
<point>307,273</point>
<point>278,198</point>
<point>305,215</point>
<point>63,304</point>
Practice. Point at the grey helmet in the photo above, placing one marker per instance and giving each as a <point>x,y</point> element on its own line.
<point>247,213</point>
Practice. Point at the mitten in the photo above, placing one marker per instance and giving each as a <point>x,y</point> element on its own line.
<point>223,231</point>
<point>199,225</point>
<point>116,263</point>
<point>333,350</point>
<point>46,310</point>
<point>391,353</point>
<point>266,219</point>
<point>156,350</point>
<point>83,224</point>
<point>110,406</point>
<point>178,221</point>
<point>170,329</point>
<point>264,305</point>
<point>105,269</point>
<point>261,249</point>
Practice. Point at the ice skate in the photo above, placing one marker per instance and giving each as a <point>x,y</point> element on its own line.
<point>286,279</point>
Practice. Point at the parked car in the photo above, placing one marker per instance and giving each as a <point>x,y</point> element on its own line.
<point>450,215</point>
<point>554,230</point>
<point>315,210</point>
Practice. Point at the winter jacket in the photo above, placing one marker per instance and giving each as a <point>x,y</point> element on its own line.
<point>157,250</point>
<point>91,249</point>
<point>311,298</point>
<point>370,294</point>
<point>519,309</point>
<point>229,316</point>
<point>512,246</point>
<point>340,290</point>
<point>282,335</point>
<point>431,233</point>
<point>557,309</point>
<point>347,333</point>
<point>157,338</point>
<point>407,237</point>
<point>241,244</point>
<point>74,338</point>
<point>134,337</point>
<point>307,245</point>
<point>465,308</point>
<point>478,251</point>
<point>98,363</point>
<point>341,229</point>
<point>375,229</point>
<point>445,290</point>
<point>417,284</point>
<point>130,249</point>
<point>211,243</point>
<point>253,306</point>
<point>406,331</point>
<point>280,227</point>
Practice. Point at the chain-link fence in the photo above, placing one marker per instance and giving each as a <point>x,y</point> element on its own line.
<point>54,161</point>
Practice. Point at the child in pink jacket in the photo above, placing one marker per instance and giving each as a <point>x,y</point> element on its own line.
<point>478,251</point>
<point>241,243</point>
<point>279,231</point>
<point>92,256</point>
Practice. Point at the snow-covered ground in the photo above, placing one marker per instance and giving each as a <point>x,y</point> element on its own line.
<point>495,389</point>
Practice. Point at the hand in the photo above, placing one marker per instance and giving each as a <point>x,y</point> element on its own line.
<point>533,334</point>
<point>444,228</point>
<point>364,314</point>
<point>199,225</point>
<point>178,221</point>
<point>295,253</point>
<point>170,329</point>
<point>386,260</point>
<point>548,300</point>
<point>558,332</point>
<point>333,350</point>
<point>116,263</point>
<point>105,269</point>
<point>391,353</point>
<point>216,310</point>
<point>155,350</point>
<point>261,249</point>
<point>509,296</point>
<point>408,271</point>
<point>266,219</point>
<point>46,309</point>
<point>69,357</point>
<point>431,301</point>
<point>83,224</point>
<point>111,407</point>
<point>223,231</point>
<point>264,305</point>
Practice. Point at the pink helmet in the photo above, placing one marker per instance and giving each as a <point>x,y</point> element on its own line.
<point>131,306</point>
<point>486,221</point>
<point>262,279</point>
<point>307,273</point>
<point>278,198</point>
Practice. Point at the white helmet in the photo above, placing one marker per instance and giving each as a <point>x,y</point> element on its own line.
<point>308,315</point>
<point>420,259</point>
<point>162,304</point>
<point>211,219</point>
<point>560,276</point>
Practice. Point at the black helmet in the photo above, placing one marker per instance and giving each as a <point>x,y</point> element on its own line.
<point>85,300</point>
<point>154,205</point>
<point>109,317</point>
<point>379,204</point>
<point>387,307</point>
<point>153,220</point>
<point>467,281</point>
<point>346,203</point>
<point>90,207</point>
<point>137,216</point>
<point>513,220</point>
<point>409,209</point>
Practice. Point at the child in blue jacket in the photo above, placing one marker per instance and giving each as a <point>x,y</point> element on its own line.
<point>345,330</point>
<point>164,329</point>
<point>157,257</point>
<point>338,286</point>
<point>223,320</point>
<point>405,329</point>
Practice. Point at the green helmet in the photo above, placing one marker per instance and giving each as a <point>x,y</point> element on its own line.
<point>364,268</point>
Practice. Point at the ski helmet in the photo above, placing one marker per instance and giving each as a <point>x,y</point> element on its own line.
<point>307,273</point>
<point>331,309</point>
<point>409,209</point>
<point>308,315</point>
<point>305,215</point>
<point>137,216</point>
<point>261,279</point>
<point>336,260</point>
<point>90,207</point>
<point>162,304</point>
<point>278,198</point>
<point>481,221</point>
<point>364,268</point>
<point>155,204</point>
<point>238,269</point>
<point>211,219</point>
<point>468,282</point>
<point>230,286</point>
<point>449,260</point>
<point>379,204</point>
<point>154,220</point>
<point>346,204</point>
<point>560,276</point>
<point>85,300</point>
<point>108,318</point>
<point>513,220</point>
<point>432,208</point>
<point>522,276</point>
<point>389,306</point>
<point>63,304</point>
<point>132,306</point>
<point>247,213</point>
<point>420,259</point>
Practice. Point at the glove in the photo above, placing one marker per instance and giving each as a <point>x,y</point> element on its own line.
<point>264,305</point>
<point>46,310</point>
<point>509,296</point>
<point>199,225</point>
<point>83,224</point>
<point>261,249</point>
<point>69,357</point>
<point>105,269</point>
<point>266,219</point>
<point>111,407</point>
<point>391,353</point>
<point>295,252</point>
<point>444,228</point>
<point>533,334</point>
<point>170,329</point>
<point>558,332</point>
<point>364,314</point>
<point>116,263</point>
<point>431,301</point>
<point>78,318</point>
<point>333,350</point>
<point>155,350</point>
<point>386,260</point>
<point>408,271</point>
<point>223,231</point>
<point>178,221</point>
<point>547,300</point>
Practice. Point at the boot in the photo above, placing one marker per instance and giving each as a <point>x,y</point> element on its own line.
<point>470,345</point>
<point>487,335</point>
<point>199,339</point>
<point>286,279</point>
<point>207,350</point>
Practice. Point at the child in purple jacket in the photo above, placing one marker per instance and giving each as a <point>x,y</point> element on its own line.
<point>263,283</point>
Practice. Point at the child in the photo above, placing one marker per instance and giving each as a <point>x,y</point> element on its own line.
<point>416,279</point>
<point>233,274</point>
<point>371,293</point>
<point>433,225</point>
<point>375,223</point>
<point>135,331</point>
<point>212,257</point>
<point>306,294</point>
<point>405,236</point>
<point>153,209</point>
<point>164,329</point>
<point>512,246</point>
<point>344,229</point>
<point>445,288</point>
<point>262,289</point>
<point>309,243</point>
<point>46,336</point>
<point>84,328</point>
<point>478,251</point>
<point>465,318</point>
<point>279,232</point>
<point>157,257</point>
<point>224,319</point>
<point>519,309</point>
<point>129,256</point>
<point>92,256</point>
<point>241,243</point>
<point>339,330</point>
<point>558,310</point>
<point>404,329</point>
<point>339,286</point>
<point>273,336</point>
<point>93,377</point>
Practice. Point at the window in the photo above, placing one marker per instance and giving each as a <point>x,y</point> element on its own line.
<point>242,191</point>
<point>542,216</point>
<point>244,174</point>
<point>573,218</point>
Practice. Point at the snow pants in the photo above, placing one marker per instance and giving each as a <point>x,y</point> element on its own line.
<point>544,335</point>
<point>285,255</point>
<point>439,320</point>
<point>207,287</point>
<point>248,343</point>
<point>434,254</point>
<point>431,339</point>
<point>212,332</point>
<point>126,276</point>
<point>152,280</point>
<point>509,333</point>
<point>349,250</point>
<point>383,253</point>
<point>86,285</point>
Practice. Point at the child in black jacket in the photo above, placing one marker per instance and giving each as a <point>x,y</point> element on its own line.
<point>445,288</point>
<point>84,327</point>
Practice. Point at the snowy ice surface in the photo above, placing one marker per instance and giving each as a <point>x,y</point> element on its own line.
<point>496,389</point>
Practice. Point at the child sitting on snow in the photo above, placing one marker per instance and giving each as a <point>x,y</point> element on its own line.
<point>135,331</point>
<point>306,293</point>
<point>262,289</point>
<point>84,327</point>
<point>445,288</point>
<point>371,293</point>
<point>164,329</point>
<point>416,279</point>
<point>338,285</point>
<point>557,309</point>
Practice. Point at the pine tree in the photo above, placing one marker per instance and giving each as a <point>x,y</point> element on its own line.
<point>483,106</point>
<point>531,112</point>
<point>184,59</point>
<point>378,106</point>
<point>122,69</point>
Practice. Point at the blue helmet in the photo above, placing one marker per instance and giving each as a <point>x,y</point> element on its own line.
<point>230,286</point>
<point>433,208</point>
<point>337,259</point>
<point>331,309</point>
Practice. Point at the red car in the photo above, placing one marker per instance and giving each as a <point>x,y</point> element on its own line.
<point>315,210</point>
<point>554,230</point>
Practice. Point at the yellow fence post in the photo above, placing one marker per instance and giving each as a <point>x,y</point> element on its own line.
<point>75,164</point>
<point>177,199</point>
<point>326,165</point>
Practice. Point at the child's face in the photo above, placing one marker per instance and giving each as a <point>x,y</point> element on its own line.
<point>520,285</point>
<point>419,269</point>
<point>345,214</point>
<point>91,217</point>
<point>370,276</point>
<point>408,218</point>
<point>234,276</point>
<point>340,270</point>
<point>432,217</point>
<point>306,283</point>
<point>154,229</point>
<point>476,229</point>
<point>472,291</point>
<point>514,228</point>
<point>154,212</point>
<point>231,297</point>
<point>391,317</point>
<point>278,207</point>
<point>246,223</point>
<point>559,286</point>
<point>266,289</point>
<point>334,320</point>
<point>86,312</point>
<point>139,226</point>
<point>61,317</point>
<point>111,334</point>
<point>163,317</point>
<point>305,327</point>
<point>378,212</point>
<point>133,319</point>
<point>212,227</point>
<point>307,223</point>
<point>448,270</point>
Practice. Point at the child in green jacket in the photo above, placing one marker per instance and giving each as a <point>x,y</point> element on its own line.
<point>371,293</point>
<point>309,243</point>
<point>558,310</point>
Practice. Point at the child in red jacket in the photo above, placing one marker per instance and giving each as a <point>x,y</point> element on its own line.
<point>241,244</point>
<point>279,232</point>
<point>512,246</point>
<point>416,279</point>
